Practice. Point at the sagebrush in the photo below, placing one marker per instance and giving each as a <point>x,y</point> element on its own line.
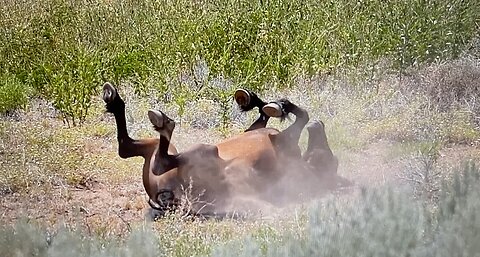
<point>381,222</point>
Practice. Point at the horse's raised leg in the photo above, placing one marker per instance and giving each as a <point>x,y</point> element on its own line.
<point>247,101</point>
<point>163,164</point>
<point>127,147</point>
<point>318,154</point>
<point>288,139</point>
<point>163,161</point>
<point>198,170</point>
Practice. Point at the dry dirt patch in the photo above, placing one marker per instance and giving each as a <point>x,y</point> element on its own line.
<point>103,209</point>
<point>112,208</point>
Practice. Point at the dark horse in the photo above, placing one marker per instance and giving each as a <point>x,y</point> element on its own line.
<point>250,165</point>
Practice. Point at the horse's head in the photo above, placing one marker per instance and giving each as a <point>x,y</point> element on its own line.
<point>319,155</point>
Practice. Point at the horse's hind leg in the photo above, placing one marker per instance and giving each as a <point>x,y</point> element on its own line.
<point>288,139</point>
<point>318,153</point>
<point>127,147</point>
<point>247,101</point>
<point>164,161</point>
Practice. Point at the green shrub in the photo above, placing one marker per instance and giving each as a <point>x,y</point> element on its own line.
<point>72,87</point>
<point>25,239</point>
<point>13,94</point>
<point>60,46</point>
<point>457,223</point>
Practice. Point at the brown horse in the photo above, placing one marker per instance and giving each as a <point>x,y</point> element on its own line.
<point>251,164</point>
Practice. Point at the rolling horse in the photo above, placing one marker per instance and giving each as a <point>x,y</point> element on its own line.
<point>255,164</point>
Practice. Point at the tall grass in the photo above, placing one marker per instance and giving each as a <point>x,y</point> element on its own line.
<point>66,48</point>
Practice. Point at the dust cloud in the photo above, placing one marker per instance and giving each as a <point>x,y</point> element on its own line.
<point>249,192</point>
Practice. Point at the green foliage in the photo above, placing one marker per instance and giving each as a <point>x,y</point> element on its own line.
<point>458,221</point>
<point>65,49</point>
<point>74,86</point>
<point>13,93</point>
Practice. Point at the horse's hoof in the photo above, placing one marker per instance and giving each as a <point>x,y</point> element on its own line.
<point>273,110</point>
<point>109,92</point>
<point>312,125</point>
<point>156,118</point>
<point>242,97</point>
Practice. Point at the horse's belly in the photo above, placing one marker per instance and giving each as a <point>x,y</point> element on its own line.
<point>252,161</point>
<point>250,147</point>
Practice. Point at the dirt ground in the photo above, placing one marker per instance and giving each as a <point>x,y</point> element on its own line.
<point>113,208</point>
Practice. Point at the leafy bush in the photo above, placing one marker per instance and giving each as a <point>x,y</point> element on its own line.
<point>66,49</point>
<point>27,240</point>
<point>13,94</point>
